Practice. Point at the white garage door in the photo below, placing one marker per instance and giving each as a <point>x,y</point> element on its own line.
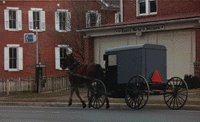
<point>180,48</point>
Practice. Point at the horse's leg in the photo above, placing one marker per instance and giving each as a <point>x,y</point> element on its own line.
<point>78,95</point>
<point>107,103</point>
<point>72,89</point>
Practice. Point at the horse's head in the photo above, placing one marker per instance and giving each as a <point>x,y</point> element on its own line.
<point>68,59</point>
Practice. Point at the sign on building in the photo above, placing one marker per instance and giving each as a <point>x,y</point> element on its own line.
<point>29,38</point>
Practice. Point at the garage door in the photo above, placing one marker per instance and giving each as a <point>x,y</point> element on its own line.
<point>180,48</point>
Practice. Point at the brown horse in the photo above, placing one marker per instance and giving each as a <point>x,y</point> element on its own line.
<point>77,74</point>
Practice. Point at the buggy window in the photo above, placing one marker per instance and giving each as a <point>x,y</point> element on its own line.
<point>112,60</point>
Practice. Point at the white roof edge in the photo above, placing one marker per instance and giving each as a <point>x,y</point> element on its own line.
<point>140,24</point>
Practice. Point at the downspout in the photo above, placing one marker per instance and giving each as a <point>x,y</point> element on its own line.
<point>122,10</point>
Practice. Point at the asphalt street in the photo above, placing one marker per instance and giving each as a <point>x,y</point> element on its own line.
<point>77,114</point>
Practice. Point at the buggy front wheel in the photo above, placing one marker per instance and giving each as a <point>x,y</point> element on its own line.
<point>176,93</point>
<point>137,92</point>
<point>96,94</point>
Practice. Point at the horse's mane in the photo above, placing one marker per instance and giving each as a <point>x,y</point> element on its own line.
<point>89,69</point>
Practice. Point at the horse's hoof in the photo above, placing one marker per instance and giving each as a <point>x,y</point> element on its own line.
<point>84,105</point>
<point>89,106</point>
<point>107,106</point>
<point>70,103</point>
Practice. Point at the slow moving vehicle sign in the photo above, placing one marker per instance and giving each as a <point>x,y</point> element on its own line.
<point>29,38</point>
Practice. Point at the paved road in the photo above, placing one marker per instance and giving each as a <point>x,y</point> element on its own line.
<point>76,114</point>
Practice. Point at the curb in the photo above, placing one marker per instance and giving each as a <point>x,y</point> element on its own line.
<point>112,105</point>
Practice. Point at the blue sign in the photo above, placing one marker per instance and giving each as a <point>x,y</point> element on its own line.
<point>29,38</point>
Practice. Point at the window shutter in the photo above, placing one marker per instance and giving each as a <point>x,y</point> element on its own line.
<point>57,20</point>
<point>6,58</point>
<point>68,22</point>
<point>43,26</point>
<point>57,58</point>
<point>6,19</point>
<point>20,58</point>
<point>98,23</point>
<point>117,17</point>
<point>30,19</point>
<point>87,18</point>
<point>19,19</point>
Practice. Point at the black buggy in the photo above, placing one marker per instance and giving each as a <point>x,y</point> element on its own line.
<point>135,72</point>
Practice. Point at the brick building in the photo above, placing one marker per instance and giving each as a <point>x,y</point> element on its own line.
<point>55,24</point>
<point>172,23</point>
<point>106,24</point>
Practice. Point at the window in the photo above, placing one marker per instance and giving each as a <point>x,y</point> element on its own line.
<point>152,5</point>
<point>63,20</point>
<point>142,7</point>
<point>112,60</point>
<point>13,58</point>
<point>12,19</point>
<point>146,7</point>
<point>60,52</point>
<point>117,17</point>
<point>93,18</point>
<point>36,19</point>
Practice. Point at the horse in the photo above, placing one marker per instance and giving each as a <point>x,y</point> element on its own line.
<point>76,70</point>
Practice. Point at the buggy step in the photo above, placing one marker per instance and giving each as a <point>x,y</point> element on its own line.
<point>157,86</point>
<point>156,92</point>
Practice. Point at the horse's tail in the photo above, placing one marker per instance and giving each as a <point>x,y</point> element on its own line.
<point>99,72</point>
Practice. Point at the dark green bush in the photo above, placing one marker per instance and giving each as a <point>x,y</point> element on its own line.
<point>193,82</point>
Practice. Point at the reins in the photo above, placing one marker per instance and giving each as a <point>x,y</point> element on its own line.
<point>74,67</point>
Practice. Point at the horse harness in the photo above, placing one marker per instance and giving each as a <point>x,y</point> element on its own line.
<point>74,67</point>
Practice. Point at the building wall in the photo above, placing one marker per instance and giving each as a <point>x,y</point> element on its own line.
<point>179,18</point>
<point>166,9</point>
<point>180,46</point>
<point>197,65</point>
<point>48,39</point>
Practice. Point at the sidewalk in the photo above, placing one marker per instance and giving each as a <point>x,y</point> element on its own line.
<point>60,99</point>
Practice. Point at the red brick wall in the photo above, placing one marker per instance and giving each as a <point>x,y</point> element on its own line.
<point>166,9</point>
<point>47,42</point>
<point>49,39</point>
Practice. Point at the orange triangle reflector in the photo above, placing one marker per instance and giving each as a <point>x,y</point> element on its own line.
<point>156,78</point>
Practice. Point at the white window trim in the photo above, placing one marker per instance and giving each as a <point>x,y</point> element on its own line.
<point>12,8</point>
<point>20,58</point>
<point>36,9</point>
<point>57,56</point>
<point>98,22</point>
<point>63,45</point>
<point>57,22</point>
<point>18,19</point>
<point>12,45</point>
<point>117,17</point>
<point>153,13</point>
<point>147,9</point>
<point>42,20</point>
<point>62,10</point>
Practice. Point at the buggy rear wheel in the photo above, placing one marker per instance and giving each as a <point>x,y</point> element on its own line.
<point>96,94</point>
<point>176,93</point>
<point>137,92</point>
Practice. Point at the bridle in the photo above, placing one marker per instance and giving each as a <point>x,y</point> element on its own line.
<point>74,66</point>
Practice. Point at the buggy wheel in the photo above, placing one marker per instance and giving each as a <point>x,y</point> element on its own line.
<point>176,93</point>
<point>96,94</point>
<point>137,92</point>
